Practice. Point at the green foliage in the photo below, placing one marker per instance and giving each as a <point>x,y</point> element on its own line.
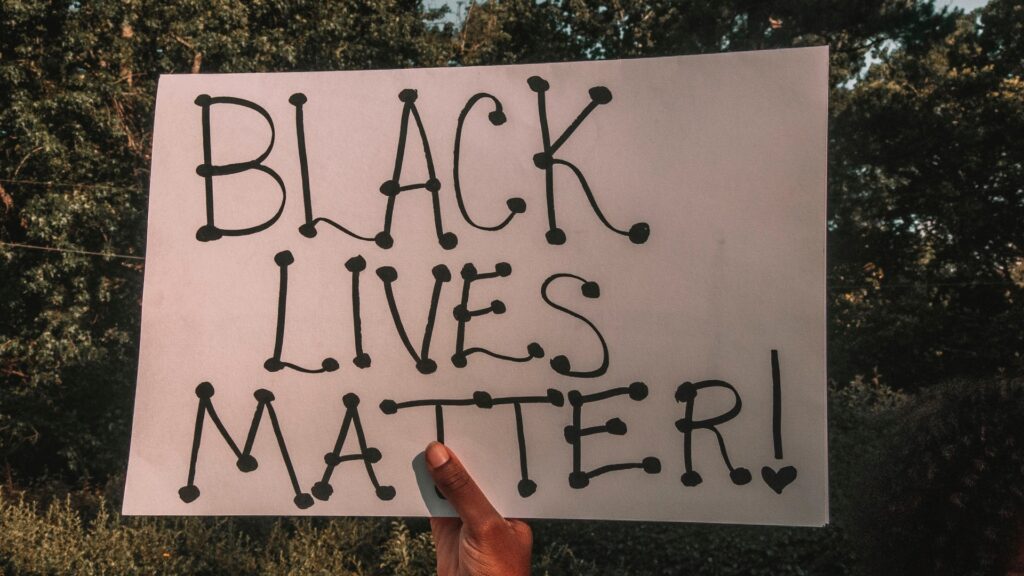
<point>927,197</point>
<point>83,536</point>
<point>645,548</point>
<point>499,31</point>
<point>860,418</point>
<point>919,485</point>
<point>61,540</point>
<point>925,246</point>
<point>77,86</point>
<point>558,558</point>
<point>947,497</point>
<point>406,554</point>
<point>80,534</point>
<point>925,172</point>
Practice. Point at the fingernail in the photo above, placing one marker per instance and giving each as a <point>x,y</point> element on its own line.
<point>437,455</point>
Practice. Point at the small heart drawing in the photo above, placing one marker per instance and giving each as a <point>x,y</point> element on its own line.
<point>778,480</point>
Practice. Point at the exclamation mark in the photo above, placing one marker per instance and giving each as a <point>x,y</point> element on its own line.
<point>777,479</point>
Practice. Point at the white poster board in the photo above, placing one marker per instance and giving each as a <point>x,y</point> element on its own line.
<point>601,283</point>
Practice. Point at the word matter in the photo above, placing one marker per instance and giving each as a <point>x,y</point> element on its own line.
<point>574,433</point>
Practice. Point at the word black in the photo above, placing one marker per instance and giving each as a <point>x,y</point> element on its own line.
<point>394,187</point>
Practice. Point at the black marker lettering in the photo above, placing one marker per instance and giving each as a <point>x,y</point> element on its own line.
<point>388,275</point>
<point>560,363</point>
<point>392,188</point>
<point>777,480</point>
<point>274,363</point>
<point>481,399</point>
<point>687,394</point>
<point>776,406</point>
<point>575,432</point>
<point>370,456</point>
<point>463,315</point>
<point>547,161</point>
<point>526,486</point>
<point>208,170</point>
<point>497,118</point>
<point>308,229</point>
<point>246,462</point>
<point>355,265</point>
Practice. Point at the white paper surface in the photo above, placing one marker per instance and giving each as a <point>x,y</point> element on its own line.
<point>722,156</point>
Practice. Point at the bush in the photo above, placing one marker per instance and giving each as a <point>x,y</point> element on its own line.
<point>928,484</point>
<point>62,540</point>
<point>68,537</point>
<point>947,495</point>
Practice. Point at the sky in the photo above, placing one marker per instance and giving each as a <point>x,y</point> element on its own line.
<point>965,4</point>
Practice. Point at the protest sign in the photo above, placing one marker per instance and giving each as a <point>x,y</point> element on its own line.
<point>601,283</point>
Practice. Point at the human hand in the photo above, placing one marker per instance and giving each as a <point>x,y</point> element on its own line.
<point>479,542</point>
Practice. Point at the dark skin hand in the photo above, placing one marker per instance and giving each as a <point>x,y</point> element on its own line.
<point>479,542</point>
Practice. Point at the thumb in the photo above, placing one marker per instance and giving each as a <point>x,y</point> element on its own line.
<point>458,487</point>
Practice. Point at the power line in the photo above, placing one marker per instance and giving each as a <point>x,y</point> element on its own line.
<point>833,287</point>
<point>107,185</point>
<point>72,251</point>
<point>916,284</point>
<point>131,257</point>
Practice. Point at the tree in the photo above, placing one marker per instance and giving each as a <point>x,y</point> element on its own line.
<point>77,87</point>
<point>925,168</point>
<point>946,481</point>
<point>497,31</point>
<point>927,197</point>
<point>925,163</point>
